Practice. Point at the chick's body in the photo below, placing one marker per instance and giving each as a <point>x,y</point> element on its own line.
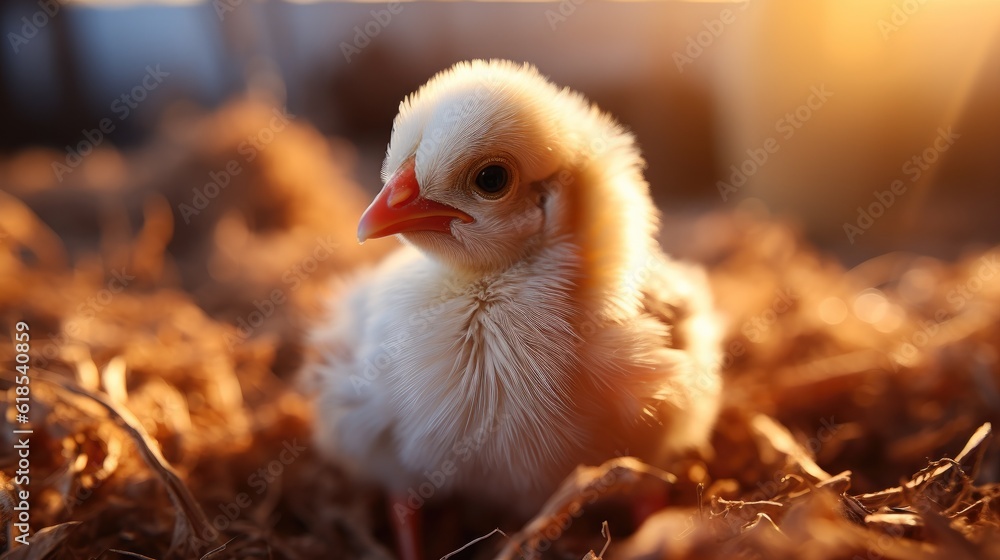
<point>536,325</point>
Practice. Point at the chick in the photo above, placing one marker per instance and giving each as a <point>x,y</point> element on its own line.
<point>530,322</point>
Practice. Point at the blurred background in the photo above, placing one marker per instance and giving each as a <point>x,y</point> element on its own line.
<point>812,111</point>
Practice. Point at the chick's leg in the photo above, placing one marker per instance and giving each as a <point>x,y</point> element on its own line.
<point>405,525</point>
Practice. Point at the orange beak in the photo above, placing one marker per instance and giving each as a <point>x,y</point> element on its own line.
<point>400,208</point>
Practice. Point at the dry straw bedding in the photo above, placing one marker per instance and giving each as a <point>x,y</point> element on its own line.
<point>167,422</point>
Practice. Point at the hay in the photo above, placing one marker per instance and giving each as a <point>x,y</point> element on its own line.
<point>166,425</point>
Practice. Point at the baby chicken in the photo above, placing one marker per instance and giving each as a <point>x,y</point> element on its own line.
<point>531,321</point>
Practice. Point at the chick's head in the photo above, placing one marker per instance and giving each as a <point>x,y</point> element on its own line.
<point>471,162</point>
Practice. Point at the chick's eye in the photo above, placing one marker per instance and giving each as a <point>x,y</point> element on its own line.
<point>493,179</point>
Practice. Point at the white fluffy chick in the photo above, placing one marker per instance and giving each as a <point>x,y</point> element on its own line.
<point>531,322</point>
